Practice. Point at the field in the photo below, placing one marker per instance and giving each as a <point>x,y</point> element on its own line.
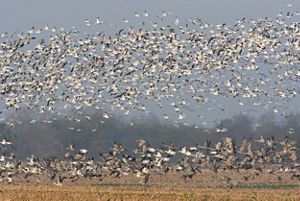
<point>80,193</point>
<point>202,187</point>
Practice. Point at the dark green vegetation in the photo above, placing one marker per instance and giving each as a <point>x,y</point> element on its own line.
<point>269,186</point>
<point>51,139</point>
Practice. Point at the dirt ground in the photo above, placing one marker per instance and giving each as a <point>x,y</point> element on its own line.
<point>203,186</point>
<point>82,193</point>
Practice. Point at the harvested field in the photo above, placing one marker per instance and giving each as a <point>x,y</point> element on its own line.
<point>204,186</point>
<point>123,192</point>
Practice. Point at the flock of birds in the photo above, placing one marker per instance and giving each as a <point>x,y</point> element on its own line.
<point>182,65</point>
<point>249,160</point>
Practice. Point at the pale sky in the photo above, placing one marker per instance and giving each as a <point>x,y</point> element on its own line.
<point>21,14</point>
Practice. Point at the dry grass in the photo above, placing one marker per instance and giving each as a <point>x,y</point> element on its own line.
<point>204,186</point>
<point>123,192</point>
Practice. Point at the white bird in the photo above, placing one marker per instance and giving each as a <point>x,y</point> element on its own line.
<point>83,151</point>
<point>5,142</point>
<point>98,21</point>
<point>105,115</point>
<point>146,13</point>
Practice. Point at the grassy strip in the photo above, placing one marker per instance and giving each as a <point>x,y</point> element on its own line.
<point>268,186</point>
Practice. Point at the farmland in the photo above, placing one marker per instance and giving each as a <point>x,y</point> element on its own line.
<point>127,192</point>
<point>203,187</point>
